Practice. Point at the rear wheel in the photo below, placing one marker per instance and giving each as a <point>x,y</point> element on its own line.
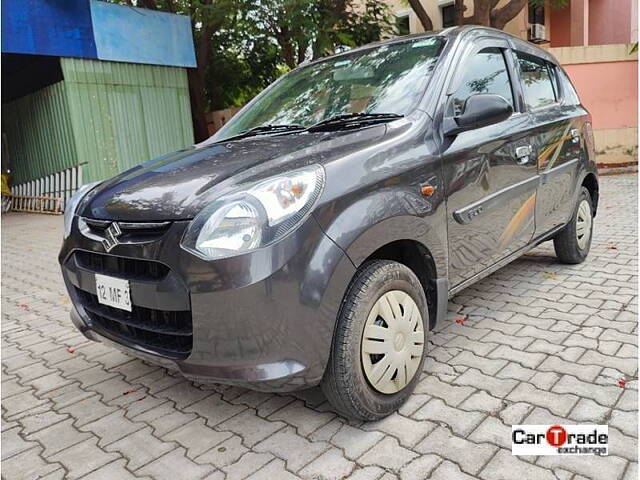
<point>573,242</point>
<point>378,348</point>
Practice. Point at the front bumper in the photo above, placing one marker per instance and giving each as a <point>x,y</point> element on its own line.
<point>263,320</point>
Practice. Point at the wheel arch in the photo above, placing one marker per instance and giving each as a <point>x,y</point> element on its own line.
<point>590,182</point>
<point>395,224</point>
<point>420,261</point>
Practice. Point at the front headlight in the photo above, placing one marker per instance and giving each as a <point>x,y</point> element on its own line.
<point>255,215</point>
<point>72,206</point>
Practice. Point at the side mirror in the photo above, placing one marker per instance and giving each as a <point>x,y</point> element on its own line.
<point>479,110</point>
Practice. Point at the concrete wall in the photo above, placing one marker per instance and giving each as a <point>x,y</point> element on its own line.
<point>606,77</point>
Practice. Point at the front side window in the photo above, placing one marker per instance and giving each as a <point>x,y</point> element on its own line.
<point>537,82</point>
<point>486,72</point>
<point>385,79</point>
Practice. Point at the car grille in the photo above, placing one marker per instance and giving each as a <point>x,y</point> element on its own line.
<point>165,332</point>
<point>132,232</point>
<point>127,227</point>
<point>129,268</point>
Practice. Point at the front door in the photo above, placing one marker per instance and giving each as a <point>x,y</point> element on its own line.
<point>490,173</point>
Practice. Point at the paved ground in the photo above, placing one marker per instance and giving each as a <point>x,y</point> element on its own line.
<point>541,343</point>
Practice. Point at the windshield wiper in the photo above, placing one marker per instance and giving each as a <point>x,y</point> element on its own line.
<point>263,129</point>
<point>349,119</point>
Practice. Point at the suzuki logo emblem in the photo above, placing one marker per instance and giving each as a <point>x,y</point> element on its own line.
<point>112,233</point>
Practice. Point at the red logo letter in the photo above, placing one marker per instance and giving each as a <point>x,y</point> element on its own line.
<point>556,436</point>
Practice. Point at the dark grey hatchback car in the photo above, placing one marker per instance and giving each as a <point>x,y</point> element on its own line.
<point>317,237</point>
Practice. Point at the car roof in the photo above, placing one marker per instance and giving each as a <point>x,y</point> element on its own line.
<point>465,33</point>
<point>473,31</point>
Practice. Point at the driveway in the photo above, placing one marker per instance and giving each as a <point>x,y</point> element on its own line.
<point>535,343</point>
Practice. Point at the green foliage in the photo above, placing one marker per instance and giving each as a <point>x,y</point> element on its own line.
<point>236,72</point>
<point>272,36</point>
<point>374,23</point>
<point>306,29</point>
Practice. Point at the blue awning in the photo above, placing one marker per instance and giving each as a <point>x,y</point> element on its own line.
<point>98,30</point>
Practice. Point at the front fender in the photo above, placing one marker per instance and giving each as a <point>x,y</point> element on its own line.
<point>385,216</point>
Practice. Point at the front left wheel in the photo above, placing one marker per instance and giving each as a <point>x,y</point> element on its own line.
<point>378,348</point>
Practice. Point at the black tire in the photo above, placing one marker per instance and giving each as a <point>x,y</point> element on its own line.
<point>345,384</point>
<point>566,242</point>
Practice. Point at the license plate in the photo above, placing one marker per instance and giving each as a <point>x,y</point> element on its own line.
<point>113,292</point>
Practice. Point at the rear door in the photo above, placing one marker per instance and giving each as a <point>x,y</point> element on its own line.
<point>557,122</point>
<point>489,173</point>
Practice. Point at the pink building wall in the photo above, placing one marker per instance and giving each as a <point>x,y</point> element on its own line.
<point>592,22</point>
<point>609,21</point>
<point>597,36</point>
<point>609,91</point>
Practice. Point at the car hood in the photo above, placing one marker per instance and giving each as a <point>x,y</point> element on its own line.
<point>178,185</point>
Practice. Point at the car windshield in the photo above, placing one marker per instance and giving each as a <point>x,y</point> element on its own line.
<point>385,79</point>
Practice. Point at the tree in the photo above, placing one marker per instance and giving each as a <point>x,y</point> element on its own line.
<point>374,22</point>
<point>422,14</point>
<point>485,12</point>
<point>245,63</point>
<point>309,29</point>
<point>349,23</point>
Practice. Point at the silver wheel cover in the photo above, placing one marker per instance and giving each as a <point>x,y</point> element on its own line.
<point>392,342</point>
<point>583,224</point>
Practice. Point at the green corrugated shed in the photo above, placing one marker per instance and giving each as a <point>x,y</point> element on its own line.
<point>105,116</point>
<point>39,133</point>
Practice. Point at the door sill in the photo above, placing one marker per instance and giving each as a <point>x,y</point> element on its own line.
<point>505,261</point>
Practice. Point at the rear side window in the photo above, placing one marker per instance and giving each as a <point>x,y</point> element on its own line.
<point>537,81</point>
<point>485,72</point>
<point>569,95</point>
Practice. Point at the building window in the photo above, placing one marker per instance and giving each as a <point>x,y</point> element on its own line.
<point>448,15</point>
<point>402,24</point>
<point>536,13</point>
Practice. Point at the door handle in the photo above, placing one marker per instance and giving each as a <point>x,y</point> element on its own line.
<point>522,154</point>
